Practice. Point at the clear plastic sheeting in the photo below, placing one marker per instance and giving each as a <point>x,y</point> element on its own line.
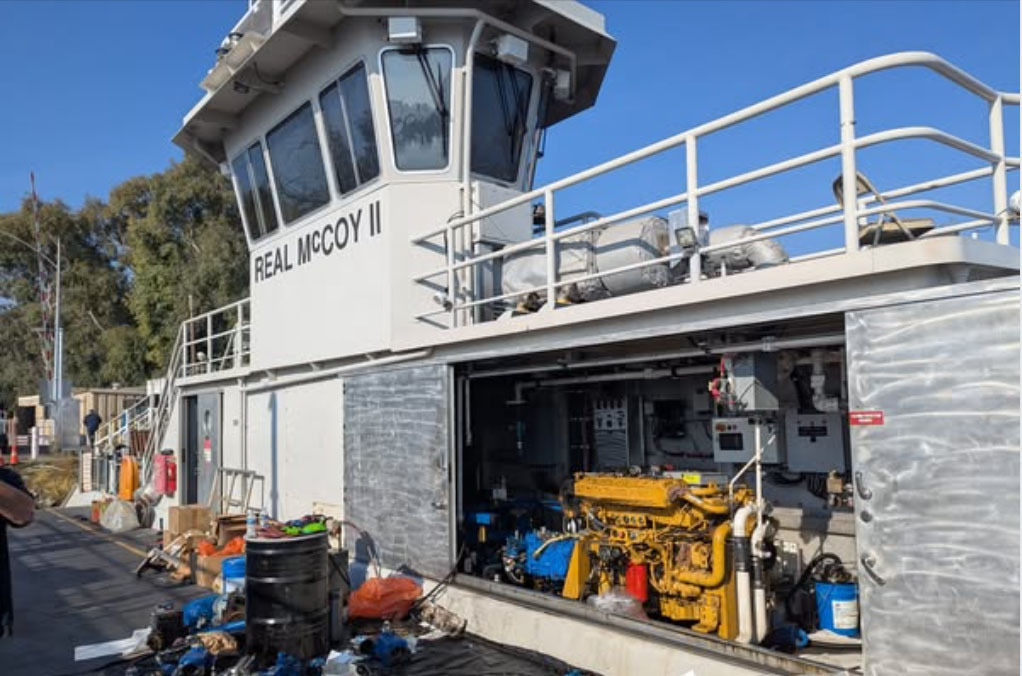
<point>119,517</point>
<point>937,484</point>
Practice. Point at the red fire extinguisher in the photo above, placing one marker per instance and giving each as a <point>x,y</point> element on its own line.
<point>166,473</point>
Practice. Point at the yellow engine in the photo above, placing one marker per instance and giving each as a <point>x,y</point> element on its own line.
<point>659,531</point>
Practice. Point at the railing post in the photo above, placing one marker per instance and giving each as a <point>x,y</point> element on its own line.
<point>1000,174</point>
<point>849,184</point>
<point>183,365</point>
<point>551,250</point>
<point>695,262</point>
<point>209,343</point>
<point>452,292</point>
<point>237,336</point>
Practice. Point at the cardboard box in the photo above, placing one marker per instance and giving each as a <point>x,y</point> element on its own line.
<point>208,569</point>
<point>183,518</point>
<point>229,527</point>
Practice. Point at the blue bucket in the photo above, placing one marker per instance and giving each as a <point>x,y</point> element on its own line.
<point>837,607</point>
<point>233,572</point>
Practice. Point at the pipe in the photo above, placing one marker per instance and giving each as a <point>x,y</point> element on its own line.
<point>758,582</point>
<point>468,247</point>
<point>708,507</point>
<point>767,344</point>
<point>338,370</point>
<point>821,401</point>
<point>743,590</point>
<point>715,577</point>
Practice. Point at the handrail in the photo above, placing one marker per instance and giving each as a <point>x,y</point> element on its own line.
<point>877,138</point>
<point>852,209</point>
<point>874,65</point>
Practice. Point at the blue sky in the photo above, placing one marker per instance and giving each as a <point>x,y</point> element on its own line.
<point>93,92</point>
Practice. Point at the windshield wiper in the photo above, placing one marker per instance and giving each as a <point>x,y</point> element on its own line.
<point>436,91</point>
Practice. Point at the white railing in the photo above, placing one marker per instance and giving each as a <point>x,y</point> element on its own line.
<point>216,341</point>
<point>455,277</point>
<point>118,429</point>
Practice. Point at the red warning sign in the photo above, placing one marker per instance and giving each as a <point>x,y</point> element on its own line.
<point>865,417</point>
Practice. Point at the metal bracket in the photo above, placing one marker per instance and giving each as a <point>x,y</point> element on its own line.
<point>860,488</point>
<point>869,562</point>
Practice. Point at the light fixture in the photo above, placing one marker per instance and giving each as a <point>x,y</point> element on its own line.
<point>404,30</point>
<point>512,49</point>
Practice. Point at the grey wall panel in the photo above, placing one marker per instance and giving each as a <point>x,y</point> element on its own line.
<point>395,464</point>
<point>939,535</point>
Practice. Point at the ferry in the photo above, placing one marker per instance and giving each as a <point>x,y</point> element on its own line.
<point>653,440</point>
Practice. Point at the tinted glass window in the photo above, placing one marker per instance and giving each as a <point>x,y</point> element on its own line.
<point>500,107</point>
<point>249,170</point>
<point>419,103</point>
<point>298,165</point>
<point>245,195</point>
<point>348,117</point>
<point>264,197</point>
<point>355,92</point>
<point>338,139</point>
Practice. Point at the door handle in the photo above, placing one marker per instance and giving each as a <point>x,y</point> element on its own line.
<point>869,563</point>
<point>860,487</point>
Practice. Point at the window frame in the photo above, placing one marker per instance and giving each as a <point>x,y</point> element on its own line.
<point>450,118</point>
<point>260,225</point>
<point>373,104</point>
<point>532,123</point>
<point>271,170</point>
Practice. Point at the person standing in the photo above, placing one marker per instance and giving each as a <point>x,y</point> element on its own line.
<point>17,509</point>
<point>91,422</point>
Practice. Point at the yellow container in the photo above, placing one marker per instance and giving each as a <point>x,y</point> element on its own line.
<point>128,481</point>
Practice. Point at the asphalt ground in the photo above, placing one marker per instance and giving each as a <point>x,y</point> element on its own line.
<point>75,584</point>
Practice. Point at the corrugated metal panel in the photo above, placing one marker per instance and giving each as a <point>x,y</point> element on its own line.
<point>395,464</point>
<point>939,535</point>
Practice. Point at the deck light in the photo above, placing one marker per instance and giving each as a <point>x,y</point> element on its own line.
<point>404,30</point>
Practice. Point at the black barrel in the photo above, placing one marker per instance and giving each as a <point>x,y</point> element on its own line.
<point>287,602</point>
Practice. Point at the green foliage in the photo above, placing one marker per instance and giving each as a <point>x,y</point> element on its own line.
<point>129,268</point>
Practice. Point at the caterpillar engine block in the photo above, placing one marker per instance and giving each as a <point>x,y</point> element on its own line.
<point>672,533</point>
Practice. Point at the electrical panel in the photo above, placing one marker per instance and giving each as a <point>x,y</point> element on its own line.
<point>814,442</point>
<point>610,433</point>
<point>734,439</point>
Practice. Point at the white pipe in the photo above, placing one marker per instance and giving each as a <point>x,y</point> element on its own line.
<point>820,400</point>
<point>759,588</point>
<point>765,345</point>
<point>743,588</point>
<point>647,374</point>
<point>338,370</point>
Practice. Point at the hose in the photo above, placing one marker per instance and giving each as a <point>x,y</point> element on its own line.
<point>804,577</point>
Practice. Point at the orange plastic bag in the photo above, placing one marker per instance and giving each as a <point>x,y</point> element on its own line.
<point>236,545</point>
<point>206,548</point>
<point>384,598</point>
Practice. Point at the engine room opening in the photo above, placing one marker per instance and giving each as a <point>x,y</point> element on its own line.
<point>703,481</point>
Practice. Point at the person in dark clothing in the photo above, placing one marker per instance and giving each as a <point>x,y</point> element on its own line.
<point>16,508</point>
<point>91,422</point>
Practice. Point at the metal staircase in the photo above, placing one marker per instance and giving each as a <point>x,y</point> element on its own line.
<point>159,415</point>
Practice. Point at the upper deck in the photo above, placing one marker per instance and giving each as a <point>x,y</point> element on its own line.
<point>416,235</point>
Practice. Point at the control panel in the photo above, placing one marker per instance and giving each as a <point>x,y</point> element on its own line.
<point>735,439</point>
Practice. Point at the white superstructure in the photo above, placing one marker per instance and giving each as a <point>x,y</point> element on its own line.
<point>429,335</point>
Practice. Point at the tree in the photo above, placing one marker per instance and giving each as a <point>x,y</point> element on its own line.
<point>129,267</point>
<point>183,239</point>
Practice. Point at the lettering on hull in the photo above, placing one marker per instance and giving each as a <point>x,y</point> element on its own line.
<point>335,236</point>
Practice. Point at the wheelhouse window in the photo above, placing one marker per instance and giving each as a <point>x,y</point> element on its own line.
<point>297,161</point>
<point>418,83</point>
<point>500,109</point>
<point>348,118</point>
<point>253,185</point>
